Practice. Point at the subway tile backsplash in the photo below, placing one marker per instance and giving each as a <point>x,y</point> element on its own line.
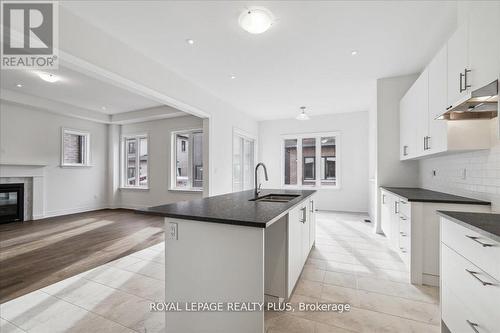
<point>474,174</point>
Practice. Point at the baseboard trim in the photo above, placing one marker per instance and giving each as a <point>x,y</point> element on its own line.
<point>69,211</point>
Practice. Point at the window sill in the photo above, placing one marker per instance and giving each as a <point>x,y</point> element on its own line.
<point>325,187</point>
<point>126,188</point>
<point>175,189</point>
<point>76,165</point>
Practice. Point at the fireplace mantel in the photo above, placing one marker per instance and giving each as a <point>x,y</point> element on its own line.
<point>35,171</point>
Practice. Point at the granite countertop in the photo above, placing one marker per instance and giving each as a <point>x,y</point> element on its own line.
<point>486,224</point>
<point>233,208</point>
<point>422,195</point>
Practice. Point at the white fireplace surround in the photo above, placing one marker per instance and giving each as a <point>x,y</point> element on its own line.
<point>23,172</point>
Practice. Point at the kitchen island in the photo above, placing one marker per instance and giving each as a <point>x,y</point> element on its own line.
<point>234,248</point>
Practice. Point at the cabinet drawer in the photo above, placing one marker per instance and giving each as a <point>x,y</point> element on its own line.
<point>404,225</point>
<point>404,208</point>
<point>481,251</point>
<point>473,288</point>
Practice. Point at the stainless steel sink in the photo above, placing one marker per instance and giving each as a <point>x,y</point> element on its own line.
<point>276,198</point>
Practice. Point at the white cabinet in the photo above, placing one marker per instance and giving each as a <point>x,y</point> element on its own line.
<point>470,283</point>
<point>458,61</point>
<point>421,104</point>
<point>437,136</point>
<point>300,222</point>
<point>312,223</point>
<point>386,200</point>
<point>484,42</point>
<point>294,247</point>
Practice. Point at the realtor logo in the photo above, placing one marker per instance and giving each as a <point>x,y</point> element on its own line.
<point>29,35</point>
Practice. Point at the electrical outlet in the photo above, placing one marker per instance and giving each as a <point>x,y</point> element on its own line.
<point>172,231</point>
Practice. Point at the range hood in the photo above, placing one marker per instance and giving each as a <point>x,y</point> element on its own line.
<point>480,104</point>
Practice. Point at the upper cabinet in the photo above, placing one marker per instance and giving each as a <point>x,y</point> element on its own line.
<point>484,42</point>
<point>468,61</point>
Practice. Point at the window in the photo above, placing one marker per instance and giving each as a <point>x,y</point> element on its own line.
<point>243,161</point>
<point>75,148</point>
<point>317,154</point>
<point>187,159</point>
<point>135,161</point>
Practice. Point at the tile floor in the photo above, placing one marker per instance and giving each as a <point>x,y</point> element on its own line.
<point>348,264</point>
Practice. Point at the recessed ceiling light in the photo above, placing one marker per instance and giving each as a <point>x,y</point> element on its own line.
<point>48,77</point>
<point>256,20</point>
<point>354,52</point>
<point>233,77</point>
<point>190,41</point>
<point>19,85</point>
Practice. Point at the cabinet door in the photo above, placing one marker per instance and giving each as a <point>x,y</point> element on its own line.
<point>458,60</point>
<point>394,222</point>
<point>438,135</point>
<point>404,142</point>
<point>312,223</point>
<point>385,213</point>
<point>294,247</point>
<point>484,42</point>
<point>421,104</point>
<point>304,233</point>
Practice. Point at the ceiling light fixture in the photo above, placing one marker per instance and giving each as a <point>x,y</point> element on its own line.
<point>354,52</point>
<point>233,77</point>
<point>19,85</point>
<point>256,20</point>
<point>303,115</point>
<point>48,77</point>
<point>190,41</point>
<point>103,108</point>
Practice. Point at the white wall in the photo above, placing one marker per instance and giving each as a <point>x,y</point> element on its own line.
<point>29,135</point>
<point>389,170</point>
<point>353,128</point>
<point>159,148</point>
<point>482,172</point>
<point>137,70</point>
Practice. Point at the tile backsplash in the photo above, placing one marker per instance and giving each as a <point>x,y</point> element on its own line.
<point>473,174</point>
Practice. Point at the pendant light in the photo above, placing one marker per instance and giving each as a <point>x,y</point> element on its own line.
<point>303,115</point>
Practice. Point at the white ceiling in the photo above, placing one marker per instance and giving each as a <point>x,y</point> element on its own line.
<point>76,89</point>
<point>304,59</point>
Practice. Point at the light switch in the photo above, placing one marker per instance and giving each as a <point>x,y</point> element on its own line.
<point>172,231</point>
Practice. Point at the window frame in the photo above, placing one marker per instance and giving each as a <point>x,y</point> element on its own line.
<point>318,157</point>
<point>173,158</point>
<point>123,162</point>
<point>85,155</point>
<point>245,136</point>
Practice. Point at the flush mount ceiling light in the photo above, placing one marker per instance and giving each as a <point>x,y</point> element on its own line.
<point>190,41</point>
<point>303,115</point>
<point>354,52</point>
<point>233,77</point>
<point>48,77</point>
<point>256,20</point>
<point>19,85</point>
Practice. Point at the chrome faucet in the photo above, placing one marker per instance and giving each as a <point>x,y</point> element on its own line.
<point>257,187</point>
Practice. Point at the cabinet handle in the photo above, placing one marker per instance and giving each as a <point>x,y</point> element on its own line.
<point>473,326</point>
<point>402,234</point>
<point>383,199</point>
<point>312,206</point>
<point>475,239</point>
<point>461,87</point>
<point>303,220</point>
<point>405,150</point>
<point>396,207</point>
<point>402,218</point>
<point>466,86</point>
<point>428,145</point>
<point>475,276</point>
<point>402,249</point>
<point>425,143</point>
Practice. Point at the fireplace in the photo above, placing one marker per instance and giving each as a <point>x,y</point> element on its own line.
<point>11,202</point>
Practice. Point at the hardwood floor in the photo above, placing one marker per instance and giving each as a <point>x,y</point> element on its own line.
<point>36,254</point>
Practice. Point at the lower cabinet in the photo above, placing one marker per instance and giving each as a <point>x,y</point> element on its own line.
<point>470,280</point>
<point>301,237</point>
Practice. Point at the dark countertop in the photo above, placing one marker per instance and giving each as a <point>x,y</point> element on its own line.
<point>422,195</point>
<point>233,208</point>
<point>486,224</point>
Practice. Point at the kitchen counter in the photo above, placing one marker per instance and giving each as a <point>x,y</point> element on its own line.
<point>233,208</point>
<point>422,195</point>
<point>485,224</point>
